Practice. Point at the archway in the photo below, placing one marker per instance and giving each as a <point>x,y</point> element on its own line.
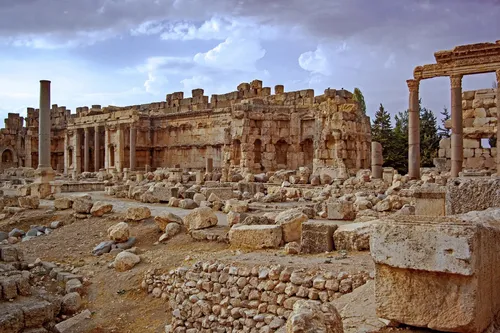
<point>257,151</point>
<point>281,150</point>
<point>7,156</point>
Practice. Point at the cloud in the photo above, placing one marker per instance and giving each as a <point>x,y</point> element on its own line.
<point>195,82</point>
<point>315,62</point>
<point>232,54</point>
<point>391,61</point>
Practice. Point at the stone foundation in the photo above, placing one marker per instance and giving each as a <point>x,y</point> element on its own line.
<point>229,298</point>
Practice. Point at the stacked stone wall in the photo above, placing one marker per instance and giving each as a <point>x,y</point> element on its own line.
<point>480,122</point>
<point>229,298</point>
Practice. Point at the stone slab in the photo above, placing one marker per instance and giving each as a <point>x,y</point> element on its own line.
<point>468,194</point>
<point>317,236</point>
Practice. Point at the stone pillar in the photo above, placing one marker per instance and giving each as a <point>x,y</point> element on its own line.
<point>209,165</point>
<point>498,122</point>
<point>86,157</point>
<point>66,153</point>
<point>133,138</point>
<point>119,149</point>
<point>377,160</point>
<point>45,172</point>
<point>106,148</point>
<point>97,149</point>
<point>77,152</point>
<point>457,137</point>
<point>413,131</point>
<point>27,143</point>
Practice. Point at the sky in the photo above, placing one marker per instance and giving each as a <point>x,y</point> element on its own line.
<point>127,52</point>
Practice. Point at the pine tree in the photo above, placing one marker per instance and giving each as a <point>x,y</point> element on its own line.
<point>399,151</point>
<point>381,127</point>
<point>358,96</point>
<point>429,138</point>
<point>444,132</point>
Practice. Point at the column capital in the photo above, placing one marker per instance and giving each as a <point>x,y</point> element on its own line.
<point>456,81</point>
<point>86,129</point>
<point>413,85</point>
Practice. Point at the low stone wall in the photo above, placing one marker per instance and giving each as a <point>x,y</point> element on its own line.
<point>229,298</point>
<point>82,187</point>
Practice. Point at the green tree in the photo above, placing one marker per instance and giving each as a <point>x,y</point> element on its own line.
<point>399,150</point>
<point>444,132</point>
<point>429,138</point>
<point>358,96</point>
<point>381,127</point>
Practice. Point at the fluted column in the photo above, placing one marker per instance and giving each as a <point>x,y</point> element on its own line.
<point>133,138</point>
<point>413,131</point>
<point>96,149</point>
<point>457,137</point>
<point>86,157</point>
<point>498,122</point>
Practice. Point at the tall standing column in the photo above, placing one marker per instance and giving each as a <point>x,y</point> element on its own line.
<point>97,149</point>
<point>66,153</point>
<point>498,122</point>
<point>45,172</point>
<point>119,149</point>
<point>413,130</point>
<point>457,137</point>
<point>133,138</point>
<point>86,157</point>
<point>78,152</point>
<point>106,148</point>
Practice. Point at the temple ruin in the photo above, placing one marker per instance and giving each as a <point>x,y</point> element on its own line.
<point>249,128</point>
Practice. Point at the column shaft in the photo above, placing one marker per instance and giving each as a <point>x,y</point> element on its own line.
<point>133,138</point>
<point>97,149</point>
<point>106,148</point>
<point>86,157</point>
<point>66,153</point>
<point>44,126</point>
<point>119,149</point>
<point>413,130</point>
<point>498,122</point>
<point>457,138</point>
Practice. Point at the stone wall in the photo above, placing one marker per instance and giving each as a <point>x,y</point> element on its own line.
<point>479,121</point>
<point>249,129</point>
<point>230,298</point>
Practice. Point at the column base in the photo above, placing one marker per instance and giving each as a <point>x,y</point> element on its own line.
<point>44,175</point>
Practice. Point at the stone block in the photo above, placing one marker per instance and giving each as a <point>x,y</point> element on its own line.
<point>291,224</point>
<point>317,236</point>
<point>353,236</point>
<point>438,273</point>
<point>471,143</point>
<point>163,194</point>
<point>255,236</point>
<point>340,210</point>
<point>467,194</point>
<point>430,201</point>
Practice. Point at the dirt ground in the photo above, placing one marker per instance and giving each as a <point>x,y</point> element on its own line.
<point>115,299</point>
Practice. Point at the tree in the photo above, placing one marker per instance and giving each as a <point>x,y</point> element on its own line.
<point>358,97</point>
<point>381,127</point>
<point>444,132</point>
<point>399,151</point>
<point>429,138</point>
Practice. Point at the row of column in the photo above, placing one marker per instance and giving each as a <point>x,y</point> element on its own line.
<point>110,150</point>
<point>457,136</point>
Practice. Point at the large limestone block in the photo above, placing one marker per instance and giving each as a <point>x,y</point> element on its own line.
<point>100,208</point>
<point>125,261</point>
<point>317,237</point>
<point>255,236</point>
<point>62,203</point>
<point>468,194</point>
<point>82,205</point>
<point>291,223</point>
<point>354,236</point>
<point>340,210</point>
<point>165,218</point>
<point>200,218</point>
<point>164,193</point>
<point>430,201</point>
<point>119,232</point>
<point>30,202</point>
<point>312,316</point>
<point>440,273</point>
<point>236,206</point>
<point>138,213</point>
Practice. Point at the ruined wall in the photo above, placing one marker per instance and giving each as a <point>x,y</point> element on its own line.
<point>249,129</point>
<point>479,121</point>
<point>212,295</point>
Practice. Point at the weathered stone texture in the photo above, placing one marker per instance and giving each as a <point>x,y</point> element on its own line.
<point>468,194</point>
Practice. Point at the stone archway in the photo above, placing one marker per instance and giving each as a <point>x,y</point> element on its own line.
<point>307,147</point>
<point>7,156</point>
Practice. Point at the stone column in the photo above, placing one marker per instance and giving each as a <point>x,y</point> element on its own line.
<point>66,159</point>
<point>78,152</point>
<point>27,143</point>
<point>413,131</point>
<point>106,148</point>
<point>498,122</point>
<point>97,149</point>
<point>133,138</point>
<point>45,171</point>
<point>457,138</point>
<point>209,165</point>
<point>119,149</point>
<point>86,157</point>
<point>377,160</point>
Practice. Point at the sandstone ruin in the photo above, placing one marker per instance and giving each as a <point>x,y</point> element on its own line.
<point>250,212</point>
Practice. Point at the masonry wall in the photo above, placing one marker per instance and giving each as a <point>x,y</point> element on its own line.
<point>235,298</point>
<point>480,122</point>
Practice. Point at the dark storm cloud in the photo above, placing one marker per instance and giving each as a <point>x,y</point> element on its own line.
<point>375,21</point>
